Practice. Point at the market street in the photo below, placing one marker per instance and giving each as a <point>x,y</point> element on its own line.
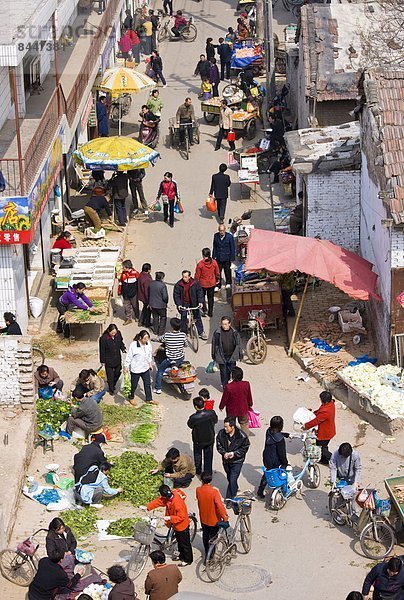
<point>298,548</point>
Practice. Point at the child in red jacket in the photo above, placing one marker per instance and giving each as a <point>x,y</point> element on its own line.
<point>325,419</point>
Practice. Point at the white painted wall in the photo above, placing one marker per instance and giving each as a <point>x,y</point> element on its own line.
<point>375,243</point>
<point>333,207</point>
<point>5,95</point>
<point>397,248</point>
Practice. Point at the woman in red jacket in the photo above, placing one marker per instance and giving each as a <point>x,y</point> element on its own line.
<point>208,274</point>
<point>325,419</point>
<point>168,192</point>
<point>237,399</point>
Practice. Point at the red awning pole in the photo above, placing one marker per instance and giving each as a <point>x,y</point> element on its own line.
<point>299,312</point>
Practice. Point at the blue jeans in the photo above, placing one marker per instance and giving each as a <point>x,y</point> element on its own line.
<point>99,395</point>
<point>163,366</point>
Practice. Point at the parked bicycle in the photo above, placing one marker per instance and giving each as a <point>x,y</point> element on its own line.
<point>256,348</point>
<point>284,484</point>
<point>188,33</point>
<point>38,357</point>
<point>20,565</point>
<point>192,331</point>
<point>120,107</point>
<point>223,548</point>
<point>376,535</point>
<point>145,533</point>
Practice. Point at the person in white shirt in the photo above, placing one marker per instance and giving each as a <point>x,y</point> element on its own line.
<point>139,362</point>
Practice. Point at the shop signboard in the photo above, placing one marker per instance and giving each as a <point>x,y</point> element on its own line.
<point>248,173</point>
<point>19,215</point>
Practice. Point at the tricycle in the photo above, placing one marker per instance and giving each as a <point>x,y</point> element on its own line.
<point>175,134</point>
<point>182,377</point>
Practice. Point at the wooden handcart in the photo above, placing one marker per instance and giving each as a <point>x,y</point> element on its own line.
<point>264,295</point>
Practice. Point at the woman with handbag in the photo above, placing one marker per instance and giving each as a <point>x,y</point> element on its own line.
<point>168,192</point>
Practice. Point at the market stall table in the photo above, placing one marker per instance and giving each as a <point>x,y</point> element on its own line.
<point>100,297</point>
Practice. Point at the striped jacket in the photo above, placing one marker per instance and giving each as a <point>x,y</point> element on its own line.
<point>128,283</point>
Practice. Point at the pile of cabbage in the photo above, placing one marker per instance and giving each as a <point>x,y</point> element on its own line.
<point>383,385</point>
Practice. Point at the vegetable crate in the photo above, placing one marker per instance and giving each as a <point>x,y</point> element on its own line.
<point>395,489</point>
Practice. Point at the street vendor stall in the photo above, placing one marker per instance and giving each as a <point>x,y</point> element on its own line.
<point>249,53</point>
<point>379,391</point>
<point>100,298</point>
<point>94,266</point>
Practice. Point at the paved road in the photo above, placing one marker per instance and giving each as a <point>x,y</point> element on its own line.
<point>297,548</point>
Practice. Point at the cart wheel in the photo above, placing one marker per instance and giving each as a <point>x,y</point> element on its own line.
<point>251,129</point>
<point>256,349</point>
<point>209,117</point>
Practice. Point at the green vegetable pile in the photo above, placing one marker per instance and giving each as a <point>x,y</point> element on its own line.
<point>116,415</point>
<point>81,522</point>
<point>131,472</point>
<point>123,527</point>
<point>126,385</point>
<point>144,433</point>
<point>52,412</point>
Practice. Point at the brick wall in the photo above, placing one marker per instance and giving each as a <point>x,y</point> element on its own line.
<point>333,207</point>
<point>16,371</point>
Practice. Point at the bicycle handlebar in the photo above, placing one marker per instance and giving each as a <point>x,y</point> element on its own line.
<point>189,308</point>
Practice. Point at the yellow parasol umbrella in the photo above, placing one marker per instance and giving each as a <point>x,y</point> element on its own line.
<point>121,80</point>
<point>115,154</point>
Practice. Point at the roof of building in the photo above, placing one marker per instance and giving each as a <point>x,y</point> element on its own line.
<point>331,45</point>
<point>19,18</point>
<point>384,94</point>
<point>320,149</point>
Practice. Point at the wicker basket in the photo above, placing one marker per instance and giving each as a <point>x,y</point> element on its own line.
<point>143,533</point>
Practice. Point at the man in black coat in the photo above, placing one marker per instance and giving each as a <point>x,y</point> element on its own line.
<point>89,455</point>
<point>225,52</point>
<point>203,67</point>
<point>224,252</point>
<point>202,423</point>
<point>188,293</point>
<point>158,300</point>
<point>232,444</point>
<point>51,576</point>
<point>219,188</point>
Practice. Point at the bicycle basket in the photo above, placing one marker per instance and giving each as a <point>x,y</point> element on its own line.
<point>276,477</point>
<point>27,547</point>
<point>143,533</point>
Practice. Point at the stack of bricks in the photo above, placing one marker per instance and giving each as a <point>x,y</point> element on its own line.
<point>16,371</point>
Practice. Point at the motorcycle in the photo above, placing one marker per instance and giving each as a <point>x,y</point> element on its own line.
<point>256,348</point>
<point>149,133</point>
<point>182,378</point>
<point>241,234</point>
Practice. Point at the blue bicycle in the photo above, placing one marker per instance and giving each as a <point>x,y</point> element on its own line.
<point>285,484</point>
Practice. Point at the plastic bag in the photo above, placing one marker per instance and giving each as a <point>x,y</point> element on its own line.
<point>46,392</point>
<point>180,207</point>
<point>101,372</point>
<point>211,204</point>
<point>231,136</point>
<point>156,206</point>
<point>303,415</point>
<point>119,301</point>
<point>212,367</point>
<point>254,419</point>
<point>177,209</point>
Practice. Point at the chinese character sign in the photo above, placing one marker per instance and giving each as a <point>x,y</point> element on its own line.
<point>15,220</point>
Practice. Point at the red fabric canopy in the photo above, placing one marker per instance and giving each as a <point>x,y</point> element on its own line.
<point>282,253</point>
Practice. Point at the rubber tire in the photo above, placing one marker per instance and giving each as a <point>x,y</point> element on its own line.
<point>246,535</point>
<point>209,117</point>
<point>337,520</point>
<point>278,500</point>
<point>252,348</point>
<point>137,561</point>
<point>191,33</point>
<point>162,34</point>
<point>251,129</point>
<point>193,526</point>
<point>186,145</point>
<point>367,532</point>
<point>38,357</point>
<point>25,568</point>
<point>218,548</point>
<point>114,116</point>
<point>314,481</point>
<point>194,338</point>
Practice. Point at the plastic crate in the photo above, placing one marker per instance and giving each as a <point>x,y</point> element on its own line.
<point>276,477</point>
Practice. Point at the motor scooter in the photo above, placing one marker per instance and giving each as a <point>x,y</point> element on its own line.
<point>182,377</point>
<point>241,233</point>
<point>149,133</point>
